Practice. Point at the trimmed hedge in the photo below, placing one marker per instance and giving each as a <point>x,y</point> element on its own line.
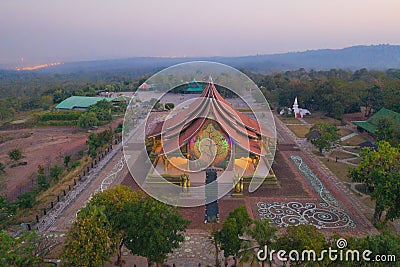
<point>61,116</point>
<point>56,123</point>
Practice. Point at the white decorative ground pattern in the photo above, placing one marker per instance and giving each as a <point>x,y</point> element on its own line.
<point>326,214</point>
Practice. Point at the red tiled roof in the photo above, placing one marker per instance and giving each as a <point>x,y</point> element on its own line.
<point>245,131</point>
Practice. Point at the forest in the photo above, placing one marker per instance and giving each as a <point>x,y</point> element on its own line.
<point>333,92</point>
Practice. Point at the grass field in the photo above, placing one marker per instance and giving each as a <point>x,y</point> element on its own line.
<point>341,155</point>
<point>353,149</point>
<point>299,130</point>
<point>354,141</point>
<point>338,168</point>
<point>319,117</point>
<point>289,120</point>
<point>343,132</point>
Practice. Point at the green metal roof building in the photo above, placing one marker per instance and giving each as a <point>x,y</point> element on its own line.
<point>80,102</point>
<point>370,124</point>
<point>194,88</point>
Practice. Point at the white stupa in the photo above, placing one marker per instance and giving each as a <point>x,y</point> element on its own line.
<point>299,112</point>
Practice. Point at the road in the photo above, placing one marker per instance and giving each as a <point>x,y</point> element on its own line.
<point>61,217</point>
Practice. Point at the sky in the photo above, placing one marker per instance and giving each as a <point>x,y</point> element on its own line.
<point>43,31</point>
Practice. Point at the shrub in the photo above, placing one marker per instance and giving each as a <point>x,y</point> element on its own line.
<point>169,106</point>
<point>15,154</point>
<point>26,200</point>
<point>61,116</point>
<point>55,172</point>
<point>75,164</point>
<point>87,120</point>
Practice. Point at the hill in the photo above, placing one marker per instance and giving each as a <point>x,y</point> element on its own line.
<point>377,57</point>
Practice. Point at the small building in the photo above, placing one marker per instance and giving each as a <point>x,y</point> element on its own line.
<point>80,102</point>
<point>145,86</point>
<point>371,124</point>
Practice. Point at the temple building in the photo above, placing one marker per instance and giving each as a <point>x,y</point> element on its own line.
<point>194,87</point>
<point>210,134</point>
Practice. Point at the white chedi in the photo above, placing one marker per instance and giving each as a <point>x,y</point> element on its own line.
<point>299,112</point>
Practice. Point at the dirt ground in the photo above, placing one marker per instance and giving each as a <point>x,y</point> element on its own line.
<point>46,146</point>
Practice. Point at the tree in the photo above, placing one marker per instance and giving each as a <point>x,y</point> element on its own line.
<point>93,143</point>
<point>386,131</point>
<point>7,211</point>
<point>380,170</point>
<point>113,200</point>
<point>151,229</point>
<point>214,237</point>
<point>118,129</point>
<point>232,230</point>
<point>15,154</point>
<point>87,120</point>
<point>300,238</point>
<point>264,234</point>
<point>19,251</point>
<point>382,244</point>
<point>105,137</point>
<point>323,135</point>
<point>102,109</point>
<point>67,160</point>
<point>145,226</point>
<point>230,240</point>
<point>87,242</point>
<point>97,140</point>
<point>371,98</point>
<point>42,178</point>
<point>55,172</point>
<point>242,218</point>
<point>26,200</point>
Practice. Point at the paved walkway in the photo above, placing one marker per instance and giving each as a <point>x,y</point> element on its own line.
<point>61,217</point>
<point>344,138</point>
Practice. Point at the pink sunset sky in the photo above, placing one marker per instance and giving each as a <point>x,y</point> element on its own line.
<point>38,31</point>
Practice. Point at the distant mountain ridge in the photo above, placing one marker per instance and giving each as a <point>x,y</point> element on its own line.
<point>377,57</point>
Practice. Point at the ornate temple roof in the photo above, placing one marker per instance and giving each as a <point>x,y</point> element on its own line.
<point>243,130</point>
